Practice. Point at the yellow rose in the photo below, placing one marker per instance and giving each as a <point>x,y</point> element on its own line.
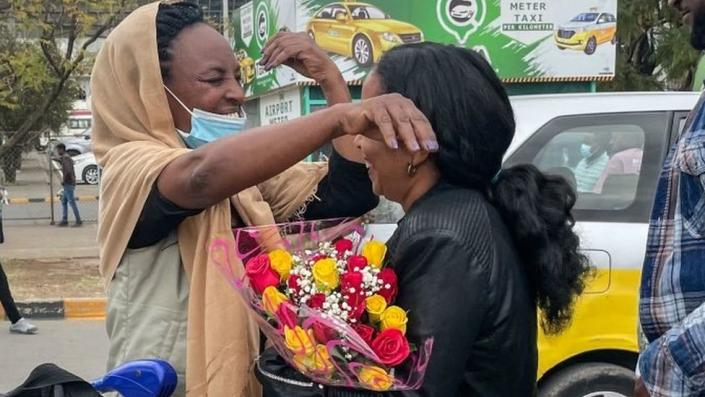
<point>325,273</point>
<point>374,251</point>
<point>375,378</point>
<point>319,362</point>
<point>375,306</point>
<point>394,317</point>
<point>272,298</point>
<point>299,341</point>
<point>281,262</point>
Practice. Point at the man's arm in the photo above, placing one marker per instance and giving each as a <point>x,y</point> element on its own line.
<point>674,364</point>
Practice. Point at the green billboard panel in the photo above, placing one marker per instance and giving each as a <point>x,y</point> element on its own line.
<point>525,41</point>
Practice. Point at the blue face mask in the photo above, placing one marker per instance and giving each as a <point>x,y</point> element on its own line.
<point>207,127</point>
<point>585,150</point>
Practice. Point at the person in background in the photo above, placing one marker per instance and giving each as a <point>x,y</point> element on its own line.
<point>69,187</point>
<point>594,153</point>
<point>628,149</point>
<point>672,298</point>
<point>18,324</point>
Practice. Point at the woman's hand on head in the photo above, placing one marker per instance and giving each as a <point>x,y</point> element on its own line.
<point>299,52</point>
<point>390,118</point>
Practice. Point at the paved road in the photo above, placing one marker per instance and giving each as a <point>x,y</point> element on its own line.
<point>79,346</point>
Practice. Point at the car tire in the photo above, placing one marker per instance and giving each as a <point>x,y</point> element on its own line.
<point>91,175</point>
<point>614,39</point>
<point>73,152</point>
<point>591,46</point>
<point>589,380</point>
<point>561,48</point>
<point>362,51</point>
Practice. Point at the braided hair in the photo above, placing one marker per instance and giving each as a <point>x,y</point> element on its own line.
<point>171,20</point>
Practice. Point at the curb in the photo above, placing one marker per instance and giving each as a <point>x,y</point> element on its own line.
<point>72,308</point>
<point>48,199</point>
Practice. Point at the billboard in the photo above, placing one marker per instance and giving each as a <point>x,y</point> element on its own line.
<point>525,41</point>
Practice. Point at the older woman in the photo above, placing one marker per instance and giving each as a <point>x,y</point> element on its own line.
<point>478,250</point>
<point>178,172</point>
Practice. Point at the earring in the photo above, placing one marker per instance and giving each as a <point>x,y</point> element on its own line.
<point>411,169</point>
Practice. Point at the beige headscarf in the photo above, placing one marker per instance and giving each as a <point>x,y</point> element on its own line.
<point>134,139</point>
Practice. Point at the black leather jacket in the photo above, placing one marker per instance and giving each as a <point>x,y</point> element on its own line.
<point>463,284</point>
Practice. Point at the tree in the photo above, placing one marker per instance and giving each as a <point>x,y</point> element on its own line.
<point>654,51</point>
<point>43,48</point>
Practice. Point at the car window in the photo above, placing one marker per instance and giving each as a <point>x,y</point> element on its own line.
<point>611,160</point>
<point>679,123</point>
<point>366,12</point>
<point>602,19</point>
<point>603,163</point>
<point>79,124</point>
<point>585,17</point>
<point>326,13</point>
<point>338,10</point>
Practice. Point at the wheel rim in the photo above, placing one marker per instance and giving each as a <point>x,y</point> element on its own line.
<point>310,34</point>
<point>591,45</point>
<point>92,176</point>
<point>605,394</point>
<point>362,51</point>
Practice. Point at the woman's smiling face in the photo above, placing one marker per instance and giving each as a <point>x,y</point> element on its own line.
<point>387,168</point>
<point>203,74</point>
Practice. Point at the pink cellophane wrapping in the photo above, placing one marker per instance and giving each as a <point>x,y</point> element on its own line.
<point>347,352</point>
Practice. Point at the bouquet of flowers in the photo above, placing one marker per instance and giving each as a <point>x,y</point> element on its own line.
<point>324,298</point>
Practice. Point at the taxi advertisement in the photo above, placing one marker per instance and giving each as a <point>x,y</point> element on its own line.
<point>525,41</point>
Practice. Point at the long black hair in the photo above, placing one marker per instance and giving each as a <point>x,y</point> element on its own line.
<point>171,20</point>
<point>470,112</point>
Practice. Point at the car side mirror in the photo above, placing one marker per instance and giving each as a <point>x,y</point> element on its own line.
<point>341,17</point>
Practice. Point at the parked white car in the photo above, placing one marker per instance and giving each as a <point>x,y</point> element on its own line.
<point>86,169</point>
<point>75,145</point>
<point>596,356</point>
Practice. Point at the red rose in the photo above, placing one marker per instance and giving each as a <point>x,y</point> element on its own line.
<point>343,245</point>
<point>260,272</point>
<point>316,301</point>
<point>357,303</point>
<point>351,283</point>
<point>323,333</point>
<point>293,283</point>
<point>286,316</point>
<point>358,261</point>
<point>389,284</point>
<point>365,331</point>
<point>391,347</point>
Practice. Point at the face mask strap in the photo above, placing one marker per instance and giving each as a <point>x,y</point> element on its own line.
<point>178,100</point>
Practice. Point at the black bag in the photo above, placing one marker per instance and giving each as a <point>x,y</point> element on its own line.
<point>48,380</point>
<point>278,379</point>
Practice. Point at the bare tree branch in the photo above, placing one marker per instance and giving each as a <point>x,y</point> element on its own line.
<point>50,58</point>
<point>71,40</point>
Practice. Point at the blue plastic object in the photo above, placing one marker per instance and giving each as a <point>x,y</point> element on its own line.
<point>141,378</point>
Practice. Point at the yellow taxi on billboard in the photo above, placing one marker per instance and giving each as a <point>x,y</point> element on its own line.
<point>247,67</point>
<point>587,31</point>
<point>360,31</point>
